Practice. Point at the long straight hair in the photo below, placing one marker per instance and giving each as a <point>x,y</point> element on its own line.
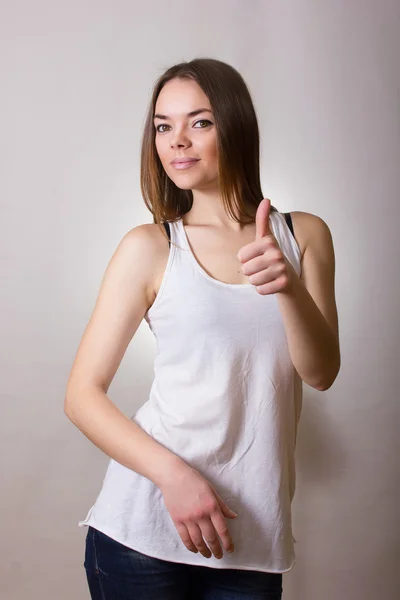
<point>238,145</point>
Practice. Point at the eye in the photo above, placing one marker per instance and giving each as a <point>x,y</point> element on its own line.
<point>204,121</point>
<point>161,125</point>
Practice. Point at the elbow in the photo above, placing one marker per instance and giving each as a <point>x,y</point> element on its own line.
<point>322,387</point>
<point>68,408</point>
<point>330,378</point>
<point>71,405</point>
<point>77,399</point>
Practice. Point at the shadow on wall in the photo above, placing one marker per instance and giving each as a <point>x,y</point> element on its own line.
<point>320,463</point>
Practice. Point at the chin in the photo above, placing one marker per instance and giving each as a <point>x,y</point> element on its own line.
<point>184,187</point>
<point>185,183</point>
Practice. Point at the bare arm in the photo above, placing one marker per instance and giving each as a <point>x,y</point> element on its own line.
<point>124,297</point>
<point>126,293</point>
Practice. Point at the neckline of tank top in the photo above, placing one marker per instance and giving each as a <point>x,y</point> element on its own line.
<point>240,286</point>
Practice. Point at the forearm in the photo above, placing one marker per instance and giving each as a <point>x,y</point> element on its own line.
<point>117,436</point>
<point>313,346</point>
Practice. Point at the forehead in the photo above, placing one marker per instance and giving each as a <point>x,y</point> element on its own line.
<point>180,96</point>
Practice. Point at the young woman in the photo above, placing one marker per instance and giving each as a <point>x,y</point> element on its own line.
<point>196,502</point>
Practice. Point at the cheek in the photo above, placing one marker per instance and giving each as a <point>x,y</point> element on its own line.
<point>209,150</point>
<point>213,157</point>
<point>161,150</point>
<point>158,146</point>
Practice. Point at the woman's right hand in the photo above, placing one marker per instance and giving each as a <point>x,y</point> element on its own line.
<point>197,512</point>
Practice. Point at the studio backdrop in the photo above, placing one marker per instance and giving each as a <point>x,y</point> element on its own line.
<point>76,79</point>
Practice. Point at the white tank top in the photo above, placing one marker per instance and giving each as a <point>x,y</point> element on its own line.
<point>225,398</point>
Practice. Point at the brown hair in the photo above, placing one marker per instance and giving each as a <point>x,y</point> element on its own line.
<point>238,143</point>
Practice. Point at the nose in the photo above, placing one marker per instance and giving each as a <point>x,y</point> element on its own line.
<point>179,139</point>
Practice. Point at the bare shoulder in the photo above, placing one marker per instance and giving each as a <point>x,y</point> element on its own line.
<point>148,242</point>
<point>132,264</point>
<point>318,264</point>
<point>149,236</point>
<point>125,295</point>
<point>309,228</point>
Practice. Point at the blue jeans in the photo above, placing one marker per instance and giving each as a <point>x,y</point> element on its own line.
<point>115,572</point>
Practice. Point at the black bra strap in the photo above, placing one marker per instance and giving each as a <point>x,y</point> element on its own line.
<point>167,229</point>
<point>289,222</point>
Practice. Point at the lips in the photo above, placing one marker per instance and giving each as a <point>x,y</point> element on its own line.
<point>180,161</point>
<point>184,163</point>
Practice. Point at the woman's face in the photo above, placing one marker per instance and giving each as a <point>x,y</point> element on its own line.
<point>182,135</point>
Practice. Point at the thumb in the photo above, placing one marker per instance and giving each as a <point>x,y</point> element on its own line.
<point>262,219</point>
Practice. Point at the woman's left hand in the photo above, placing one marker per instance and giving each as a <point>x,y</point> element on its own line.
<point>263,261</point>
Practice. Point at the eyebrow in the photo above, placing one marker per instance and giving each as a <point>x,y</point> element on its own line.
<point>191,114</point>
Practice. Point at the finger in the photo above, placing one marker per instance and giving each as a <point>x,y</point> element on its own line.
<point>255,265</point>
<point>253,250</point>
<point>226,511</point>
<point>197,538</point>
<point>185,537</point>
<point>273,287</point>
<point>211,537</point>
<point>271,256</point>
<point>262,218</point>
<point>222,530</point>
<point>268,275</point>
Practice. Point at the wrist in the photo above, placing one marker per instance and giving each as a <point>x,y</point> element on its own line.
<point>169,469</point>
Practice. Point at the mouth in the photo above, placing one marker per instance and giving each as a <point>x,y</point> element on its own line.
<point>184,164</point>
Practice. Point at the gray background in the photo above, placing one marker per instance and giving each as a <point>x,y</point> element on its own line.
<point>75,82</point>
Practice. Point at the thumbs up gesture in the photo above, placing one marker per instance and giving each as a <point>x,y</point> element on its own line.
<point>263,261</point>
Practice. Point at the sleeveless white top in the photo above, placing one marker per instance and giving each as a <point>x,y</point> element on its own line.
<point>225,398</point>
